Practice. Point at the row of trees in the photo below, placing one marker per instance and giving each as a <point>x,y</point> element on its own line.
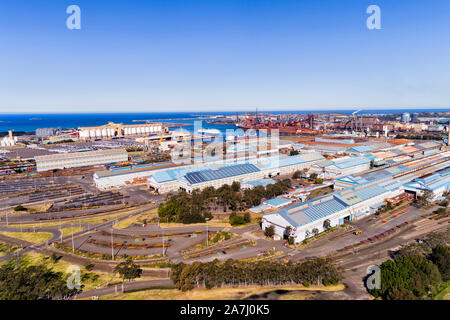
<point>263,273</point>
<point>197,206</point>
<point>418,271</point>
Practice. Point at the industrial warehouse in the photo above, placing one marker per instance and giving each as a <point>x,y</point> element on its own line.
<point>80,159</point>
<point>362,195</point>
<point>171,177</point>
<point>119,130</point>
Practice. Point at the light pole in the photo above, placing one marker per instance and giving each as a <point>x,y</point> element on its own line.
<point>73,244</point>
<point>112,244</point>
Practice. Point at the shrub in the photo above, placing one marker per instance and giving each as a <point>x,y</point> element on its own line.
<point>20,208</point>
<point>269,231</point>
<point>237,220</point>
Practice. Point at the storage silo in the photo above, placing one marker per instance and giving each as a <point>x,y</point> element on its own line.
<point>104,132</point>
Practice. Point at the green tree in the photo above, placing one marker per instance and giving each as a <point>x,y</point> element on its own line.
<point>327,224</point>
<point>35,282</point>
<point>128,270</point>
<point>236,186</point>
<point>440,256</point>
<point>247,217</point>
<point>269,231</point>
<point>287,232</point>
<point>399,293</point>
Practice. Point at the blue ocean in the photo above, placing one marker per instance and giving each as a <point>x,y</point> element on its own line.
<point>31,122</point>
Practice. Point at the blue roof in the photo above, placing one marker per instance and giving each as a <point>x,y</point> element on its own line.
<point>174,174</point>
<point>351,162</point>
<point>261,182</point>
<point>361,149</point>
<point>221,173</point>
<point>276,202</point>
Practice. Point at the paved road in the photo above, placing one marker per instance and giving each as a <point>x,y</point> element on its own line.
<point>137,285</point>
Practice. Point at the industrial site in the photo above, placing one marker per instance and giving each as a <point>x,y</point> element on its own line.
<point>344,190</point>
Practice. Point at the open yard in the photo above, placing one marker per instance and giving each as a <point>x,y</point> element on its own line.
<point>34,237</point>
<point>212,294</point>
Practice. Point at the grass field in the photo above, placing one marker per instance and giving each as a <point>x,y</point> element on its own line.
<point>34,237</point>
<point>212,223</point>
<point>125,223</point>
<point>444,294</point>
<point>92,220</point>
<point>90,279</point>
<point>212,294</point>
<point>68,231</point>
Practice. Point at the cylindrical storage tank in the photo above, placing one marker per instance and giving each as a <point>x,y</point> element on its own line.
<point>126,131</point>
<point>133,131</point>
<point>111,132</point>
<point>159,128</point>
<point>138,130</point>
<point>147,129</point>
<point>104,132</point>
<point>92,134</point>
<point>98,133</point>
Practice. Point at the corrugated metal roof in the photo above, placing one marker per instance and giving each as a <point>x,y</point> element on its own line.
<point>221,173</point>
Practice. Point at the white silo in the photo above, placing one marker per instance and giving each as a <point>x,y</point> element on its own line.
<point>92,134</point>
<point>138,130</point>
<point>147,129</point>
<point>104,133</point>
<point>133,131</point>
<point>111,132</point>
<point>98,133</point>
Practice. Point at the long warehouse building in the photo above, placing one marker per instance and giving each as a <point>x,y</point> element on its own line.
<point>367,193</point>
<point>80,159</point>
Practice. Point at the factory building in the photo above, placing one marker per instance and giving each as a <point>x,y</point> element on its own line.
<point>112,130</point>
<point>331,169</point>
<point>363,196</point>
<point>80,159</point>
<point>437,183</point>
<point>216,175</point>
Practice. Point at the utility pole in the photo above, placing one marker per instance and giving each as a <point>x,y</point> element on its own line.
<point>60,232</point>
<point>7,218</point>
<point>163,243</point>
<point>112,244</point>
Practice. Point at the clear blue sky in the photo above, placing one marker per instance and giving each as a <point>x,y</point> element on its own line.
<point>223,55</point>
